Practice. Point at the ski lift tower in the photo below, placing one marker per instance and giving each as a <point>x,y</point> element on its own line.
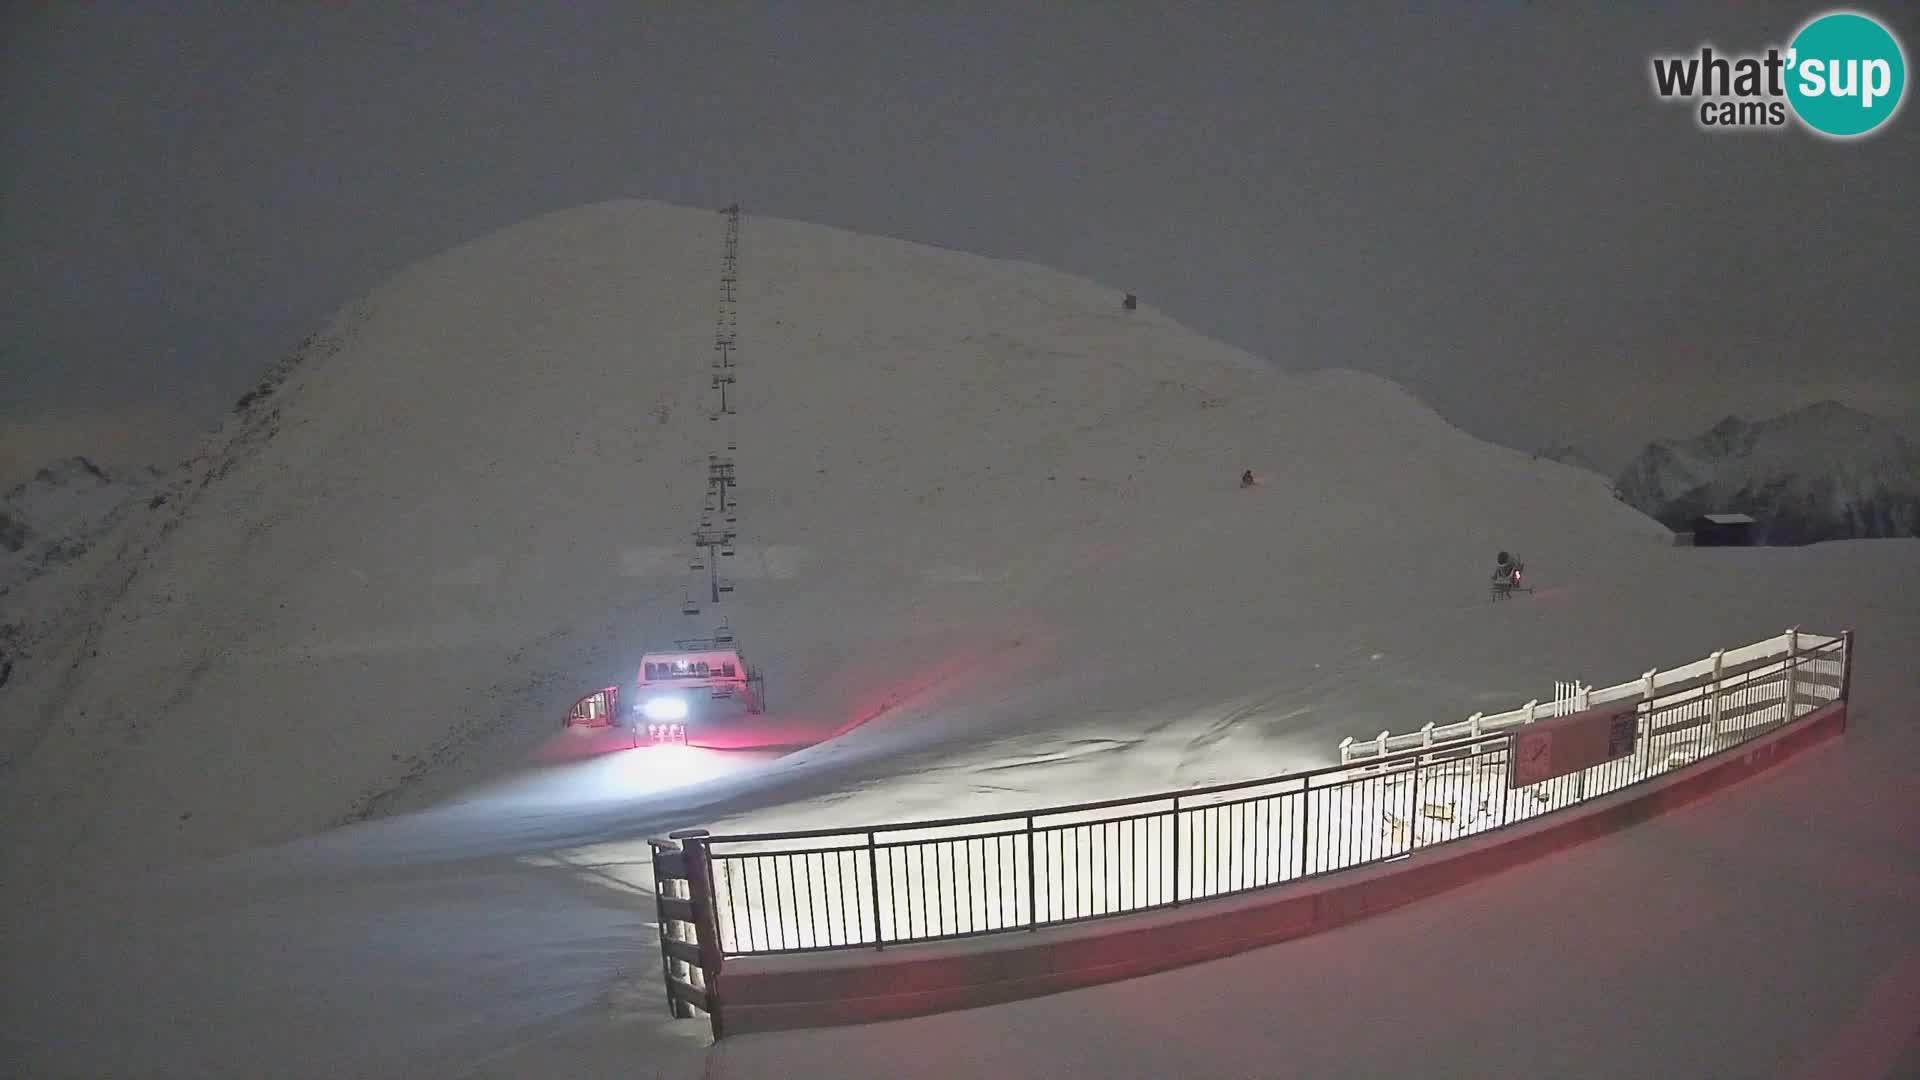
<point>715,542</point>
<point>720,478</point>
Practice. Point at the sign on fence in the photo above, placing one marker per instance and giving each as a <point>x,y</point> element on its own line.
<point>1569,744</point>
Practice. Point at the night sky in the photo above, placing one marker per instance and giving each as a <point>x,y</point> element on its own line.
<point>1486,204</point>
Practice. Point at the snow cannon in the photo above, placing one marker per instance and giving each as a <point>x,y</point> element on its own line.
<point>1509,577</point>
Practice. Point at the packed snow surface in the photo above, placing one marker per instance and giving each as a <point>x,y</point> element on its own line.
<point>991,541</point>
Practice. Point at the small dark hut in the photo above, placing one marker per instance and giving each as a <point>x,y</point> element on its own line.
<point>1724,530</point>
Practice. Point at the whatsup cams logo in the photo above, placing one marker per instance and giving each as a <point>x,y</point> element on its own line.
<point>1842,76</point>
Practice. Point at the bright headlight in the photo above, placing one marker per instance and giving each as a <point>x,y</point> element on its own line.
<point>665,708</point>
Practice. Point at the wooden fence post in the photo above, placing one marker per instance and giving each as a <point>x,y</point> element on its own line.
<point>1646,739</point>
<point>1846,663</point>
<point>704,920</point>
<point>1793,672</point>
<point>669,864</point>
<point>1713,706</point>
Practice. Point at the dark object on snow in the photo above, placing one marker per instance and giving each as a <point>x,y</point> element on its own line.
<point>1246,478</point>
<point>1723,530</point>
<point>1508,577</point>
<point>1131,302</point>
<point>13,532</point>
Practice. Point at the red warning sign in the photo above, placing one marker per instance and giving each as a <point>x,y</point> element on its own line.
<point>1568,744</point>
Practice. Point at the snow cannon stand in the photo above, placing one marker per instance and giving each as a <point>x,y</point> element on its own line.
<point>1509,577</point>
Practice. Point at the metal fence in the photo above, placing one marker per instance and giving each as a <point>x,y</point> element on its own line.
<point>888,885</point>
<point>1571,696</point>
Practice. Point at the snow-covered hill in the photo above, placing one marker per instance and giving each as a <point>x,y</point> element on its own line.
<point>990,529</point>
<point>1569,454</point>
<point>969,490</point>
<point>1823,472</point>
<point>54,516</point>
<point>49,526</point>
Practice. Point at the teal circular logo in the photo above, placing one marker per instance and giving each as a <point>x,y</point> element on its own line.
<point>1846,74</point>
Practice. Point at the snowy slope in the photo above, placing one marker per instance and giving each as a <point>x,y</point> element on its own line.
<point>1768,931</point>
<point>52,518</point>
<point>402,562</point>
<point>990,528</point>
<point>1818,473</point>
<point>50,528</point>
<point>509,934</point>
<point>1569,454</point>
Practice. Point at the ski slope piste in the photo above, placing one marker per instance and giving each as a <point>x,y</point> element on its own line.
<point>993,554</point>
<point>728,901</point>
<point>981,506</point>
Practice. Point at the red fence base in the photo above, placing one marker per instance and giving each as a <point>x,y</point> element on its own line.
<point>775,992</point>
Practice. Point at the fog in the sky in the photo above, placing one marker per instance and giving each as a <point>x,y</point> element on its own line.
<point>1483,202</point>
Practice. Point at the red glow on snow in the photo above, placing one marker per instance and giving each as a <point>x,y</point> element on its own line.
<point>858,697</point>
<point>956,671</point>
<point>1882,1027</point>
<point>581,743</point>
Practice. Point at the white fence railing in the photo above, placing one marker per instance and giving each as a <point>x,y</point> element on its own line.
<point>1762,656</point>
<point>896,883</point>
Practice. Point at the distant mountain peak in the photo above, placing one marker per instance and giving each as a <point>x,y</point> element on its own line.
<point>1730,436</point>
<point>1831,409</point>
<point>1819,472</point>
<point>1568,454</point>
